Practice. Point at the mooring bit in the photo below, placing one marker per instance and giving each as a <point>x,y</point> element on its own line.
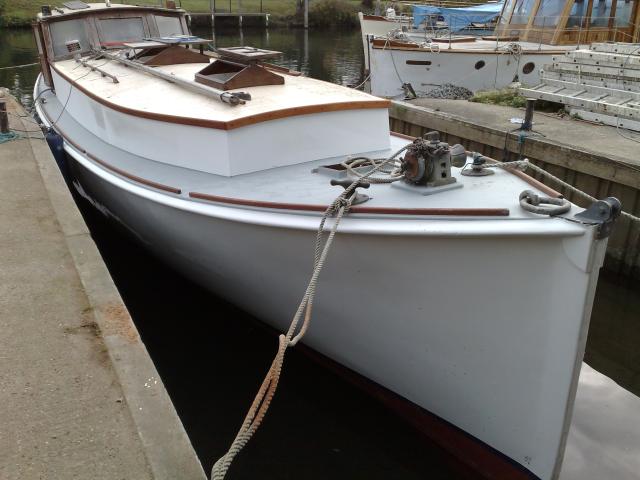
<point>4,117</point>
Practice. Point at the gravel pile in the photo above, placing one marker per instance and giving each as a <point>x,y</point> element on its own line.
<point>450,91</point>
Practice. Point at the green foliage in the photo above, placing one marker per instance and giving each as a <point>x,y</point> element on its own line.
<point>507,97</point>
<point>325,13</point>
<point>283,12</point>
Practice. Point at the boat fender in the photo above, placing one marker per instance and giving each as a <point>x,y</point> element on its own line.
<point>56,144</point>
<point>542,205</point>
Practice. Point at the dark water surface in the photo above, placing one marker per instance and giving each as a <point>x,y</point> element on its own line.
<point>212,356</point>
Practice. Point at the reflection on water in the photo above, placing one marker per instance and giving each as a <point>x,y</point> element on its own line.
<point>612,346</point>
<point>334,56</point>
<point>17,47</point>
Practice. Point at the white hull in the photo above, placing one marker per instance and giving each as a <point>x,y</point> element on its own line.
<point>389,69</point>
<point>453,322</point>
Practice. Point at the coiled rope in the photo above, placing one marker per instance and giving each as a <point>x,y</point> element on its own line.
<point>340,207</point>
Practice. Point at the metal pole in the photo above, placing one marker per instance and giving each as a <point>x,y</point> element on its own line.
<point>306,13</point>
<point>213,22</point>
<point>579,34</point>
<point>544,20</point>
<point>260,6</point>
<point>232,98</point>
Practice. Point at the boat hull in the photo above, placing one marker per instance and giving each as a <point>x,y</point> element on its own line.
<point>486,332</point>
<point>474,70</point>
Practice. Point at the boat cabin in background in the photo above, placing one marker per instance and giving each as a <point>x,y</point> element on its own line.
<point>569,22</point>
<point>64,32</point>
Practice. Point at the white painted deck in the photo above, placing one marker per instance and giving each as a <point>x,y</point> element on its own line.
<point>140,91</point>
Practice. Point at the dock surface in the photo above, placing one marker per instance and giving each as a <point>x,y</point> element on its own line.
<point>80,396</point>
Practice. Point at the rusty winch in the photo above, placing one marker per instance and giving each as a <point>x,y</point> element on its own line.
<point>428,161</point>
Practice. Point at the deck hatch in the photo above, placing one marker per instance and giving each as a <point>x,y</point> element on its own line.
<point>238,67</point>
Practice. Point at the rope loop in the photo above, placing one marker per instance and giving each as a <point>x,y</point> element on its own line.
<point>532,202</point>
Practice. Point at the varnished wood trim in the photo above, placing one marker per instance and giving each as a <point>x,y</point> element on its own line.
<point>402,135</point>
<point>133,177</point>
<point>115,8</point>
<point>471,457</point>
<point>376,18</point>
<point>400,46</point>
<point>465,212</point>
<point>534,183</point>
<point>232,124</point>
<point>518,173</point>
<point>108,166</point>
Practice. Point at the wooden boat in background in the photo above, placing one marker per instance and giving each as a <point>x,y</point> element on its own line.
<point>440,287</point>
<point>526,38</point>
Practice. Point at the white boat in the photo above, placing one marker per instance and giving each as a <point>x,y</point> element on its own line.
<point>527,36</point>
<point>440,287</point>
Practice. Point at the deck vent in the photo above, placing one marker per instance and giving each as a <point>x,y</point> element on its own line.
<point>75,5</point>
<point>240,67</point>
<point>73,46</point>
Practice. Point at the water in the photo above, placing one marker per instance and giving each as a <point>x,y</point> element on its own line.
<point>212,356</point>
<point>334,56</point>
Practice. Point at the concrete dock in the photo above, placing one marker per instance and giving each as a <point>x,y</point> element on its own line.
<point>81,398</point>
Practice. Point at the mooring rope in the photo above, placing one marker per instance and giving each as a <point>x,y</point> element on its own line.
<point>19,66</point>
<point>340,207</point>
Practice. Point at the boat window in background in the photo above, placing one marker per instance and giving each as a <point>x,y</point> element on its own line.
<point>522,12</point>
<point>623,13</point>
<point>168,26</point>
<point>577,15</point>
<point>600,13</point>
<point>115,31</point>
<point>67,31</point>
<point>549,12</point>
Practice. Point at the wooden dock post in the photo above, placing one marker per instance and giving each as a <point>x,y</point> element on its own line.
<point>4,117</point>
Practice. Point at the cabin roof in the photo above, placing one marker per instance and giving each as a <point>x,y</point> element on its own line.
<point>97,7</point>
<point>139,93</point>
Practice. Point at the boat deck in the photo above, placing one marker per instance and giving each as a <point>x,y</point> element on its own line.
<point>295,185</point>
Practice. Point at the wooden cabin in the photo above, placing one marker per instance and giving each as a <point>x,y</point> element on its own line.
<point>570,22</point>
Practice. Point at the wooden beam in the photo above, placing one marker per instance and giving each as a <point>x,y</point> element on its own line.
<point>532,18</point>
<point>562,22</point>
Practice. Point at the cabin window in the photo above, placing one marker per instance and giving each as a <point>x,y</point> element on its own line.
<point>600,13</point>
<point>577,14</point>
<point>66,31</point>
<point>624,8</point>
<point>116,31</point>
<point>168,26</point>
<point>522,11</point>
<point>549,12</point>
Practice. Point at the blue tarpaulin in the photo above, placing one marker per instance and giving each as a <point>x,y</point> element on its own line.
<point>457,18</point>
